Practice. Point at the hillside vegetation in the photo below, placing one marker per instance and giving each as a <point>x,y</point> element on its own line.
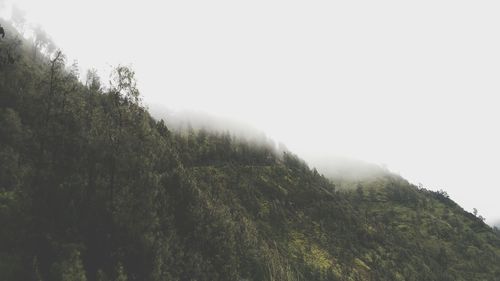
<point>93,188</point>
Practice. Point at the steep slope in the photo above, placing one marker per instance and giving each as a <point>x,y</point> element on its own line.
<point>93,188</point>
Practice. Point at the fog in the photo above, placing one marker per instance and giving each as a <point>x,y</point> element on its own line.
<point>411,86</point>
<point>332,166</point>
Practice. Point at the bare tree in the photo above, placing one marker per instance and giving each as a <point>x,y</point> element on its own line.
<point>124,84</point>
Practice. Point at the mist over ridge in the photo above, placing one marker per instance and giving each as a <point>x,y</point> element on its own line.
<point>413,136</point>
<point>94,187</point>
<point>369,81</point>
<point>332,166</point>
<point>344,171</point>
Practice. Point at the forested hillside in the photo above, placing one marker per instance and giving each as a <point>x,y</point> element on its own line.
<point>93,188</point>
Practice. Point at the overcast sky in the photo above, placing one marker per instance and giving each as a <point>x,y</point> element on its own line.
<point>411,84</point>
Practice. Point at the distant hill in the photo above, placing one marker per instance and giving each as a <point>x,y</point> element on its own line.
<point>93,188</point>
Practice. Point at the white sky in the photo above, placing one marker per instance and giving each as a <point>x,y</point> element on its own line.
<point>411,84</point>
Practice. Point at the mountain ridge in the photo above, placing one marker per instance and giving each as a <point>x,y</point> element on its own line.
<point>94,188</point>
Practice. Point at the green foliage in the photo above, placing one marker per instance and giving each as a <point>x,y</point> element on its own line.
<point>120,273</point>
<point>72,269</point>
<point>93,188</point>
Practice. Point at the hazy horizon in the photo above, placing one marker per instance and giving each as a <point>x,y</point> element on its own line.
<point>412,86</point>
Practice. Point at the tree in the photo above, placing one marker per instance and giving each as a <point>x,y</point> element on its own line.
<point>72,269</point>
<point>443,193</point>
<point>56,67</point>
<point>123,83</point>
<point>9,50</point>
<point>120,273</point>
<point>125,99</point>
<point>496,230</point>
<point>360,192</point>
<point>92,80</point>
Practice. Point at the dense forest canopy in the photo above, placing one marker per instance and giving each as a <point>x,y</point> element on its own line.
<point>93,188</point>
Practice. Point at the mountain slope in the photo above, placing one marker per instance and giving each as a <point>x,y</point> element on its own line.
<point>93,188</point>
